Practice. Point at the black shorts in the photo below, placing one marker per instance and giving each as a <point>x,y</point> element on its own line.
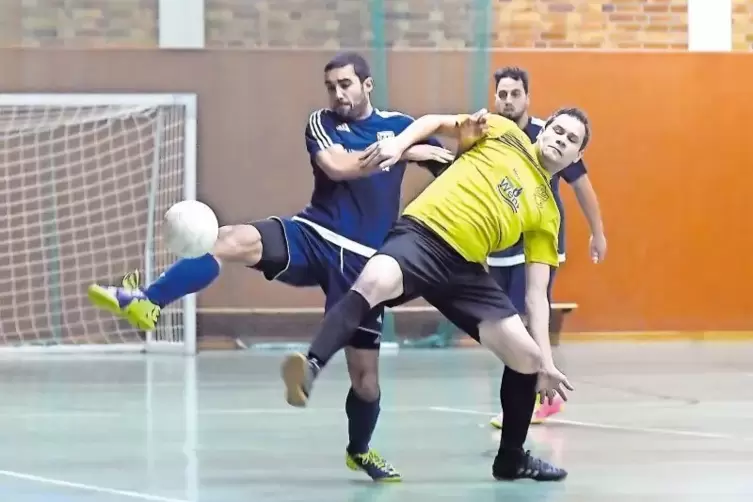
<point>462,291</point>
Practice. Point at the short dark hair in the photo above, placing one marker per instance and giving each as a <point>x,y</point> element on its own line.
<point>341,60</point>
<point>513,72</point>
<point>577,114</point>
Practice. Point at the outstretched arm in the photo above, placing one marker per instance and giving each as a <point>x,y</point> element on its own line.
<point>431,155</point>
<point>467,129</point>
<point>464,128</point>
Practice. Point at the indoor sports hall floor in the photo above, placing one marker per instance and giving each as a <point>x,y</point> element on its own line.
<point>648,422</point>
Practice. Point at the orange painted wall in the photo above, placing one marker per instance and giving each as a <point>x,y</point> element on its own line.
<point>671,160</point>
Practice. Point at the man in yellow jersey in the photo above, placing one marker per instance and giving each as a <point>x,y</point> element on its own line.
<point>497,190</point>
<point>512,100</point>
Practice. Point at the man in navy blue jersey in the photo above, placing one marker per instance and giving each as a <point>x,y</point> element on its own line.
<point>508,267</point>
<point>325,245</point>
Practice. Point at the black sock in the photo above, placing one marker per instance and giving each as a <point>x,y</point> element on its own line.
<point>362,420</point>
<point>517,393</point>
<point>338,327</point>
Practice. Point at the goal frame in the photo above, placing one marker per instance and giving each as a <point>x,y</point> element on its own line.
<point>190,144</point>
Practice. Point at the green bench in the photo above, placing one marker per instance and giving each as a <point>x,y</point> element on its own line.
<point>445,331</point>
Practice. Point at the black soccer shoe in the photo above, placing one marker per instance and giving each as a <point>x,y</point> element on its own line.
<point>509,466</point>
<point>298,373</point>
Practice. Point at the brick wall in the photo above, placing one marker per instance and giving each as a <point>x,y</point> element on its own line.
<point>645,24</point>
<point>78,23</point>
<point>336,23</point>
<point>609,24</point>
<point>591,24</point>
<point>742,25</point>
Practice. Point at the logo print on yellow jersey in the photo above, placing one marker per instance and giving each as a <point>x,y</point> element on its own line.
<point>541,195</point>
<point>510,193</point>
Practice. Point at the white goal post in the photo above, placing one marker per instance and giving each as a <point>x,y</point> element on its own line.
<point>84,182</point>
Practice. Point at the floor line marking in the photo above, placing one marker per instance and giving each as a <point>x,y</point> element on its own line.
<point>93,414</point>
<point>90,488</point>
<point>647,430</point>
<point>291,410</point>
<point>594,425</point>
<point>55,415</point>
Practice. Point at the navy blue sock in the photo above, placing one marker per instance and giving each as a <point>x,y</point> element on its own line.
<point>362,420</point>
<point>185,276</point>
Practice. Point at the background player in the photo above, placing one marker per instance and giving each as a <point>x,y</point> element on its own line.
<point>496,191</point>
<point>325,245</point>
<point>512,101</point>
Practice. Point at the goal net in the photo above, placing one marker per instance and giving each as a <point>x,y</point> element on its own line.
<point>84,182</point>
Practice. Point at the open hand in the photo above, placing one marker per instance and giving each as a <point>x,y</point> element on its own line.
<point>551,382</point>
<point>475,125</point>
<point>382,154</point>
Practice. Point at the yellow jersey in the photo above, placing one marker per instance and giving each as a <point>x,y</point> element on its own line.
<point>491,195</point>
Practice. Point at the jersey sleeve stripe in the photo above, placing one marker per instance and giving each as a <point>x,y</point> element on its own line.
<point>318,132</point>
<point>386,114</point>
<point>538,121</point>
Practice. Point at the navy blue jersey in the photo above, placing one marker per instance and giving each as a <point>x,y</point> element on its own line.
<point>573,172</point>
<point>354,214</point>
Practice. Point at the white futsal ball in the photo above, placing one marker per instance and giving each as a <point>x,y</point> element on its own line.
<point>191,229</point>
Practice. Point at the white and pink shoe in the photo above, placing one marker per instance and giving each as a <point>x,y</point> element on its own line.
<point>541,412</point>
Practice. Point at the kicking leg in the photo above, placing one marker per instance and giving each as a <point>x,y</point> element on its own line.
<point>404,268</point>
<point>235,243</point>
<point>381,280</point>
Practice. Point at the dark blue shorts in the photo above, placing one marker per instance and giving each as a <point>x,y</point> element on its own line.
<point>512,280</point>
<point>295,254</point>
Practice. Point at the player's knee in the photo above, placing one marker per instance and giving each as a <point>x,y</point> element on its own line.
<point>238,243</point>
<point>527,359</point>
<point>380,280</point>
<point>366,386</point>
<point>510,342</point>
<point>363,368</point>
